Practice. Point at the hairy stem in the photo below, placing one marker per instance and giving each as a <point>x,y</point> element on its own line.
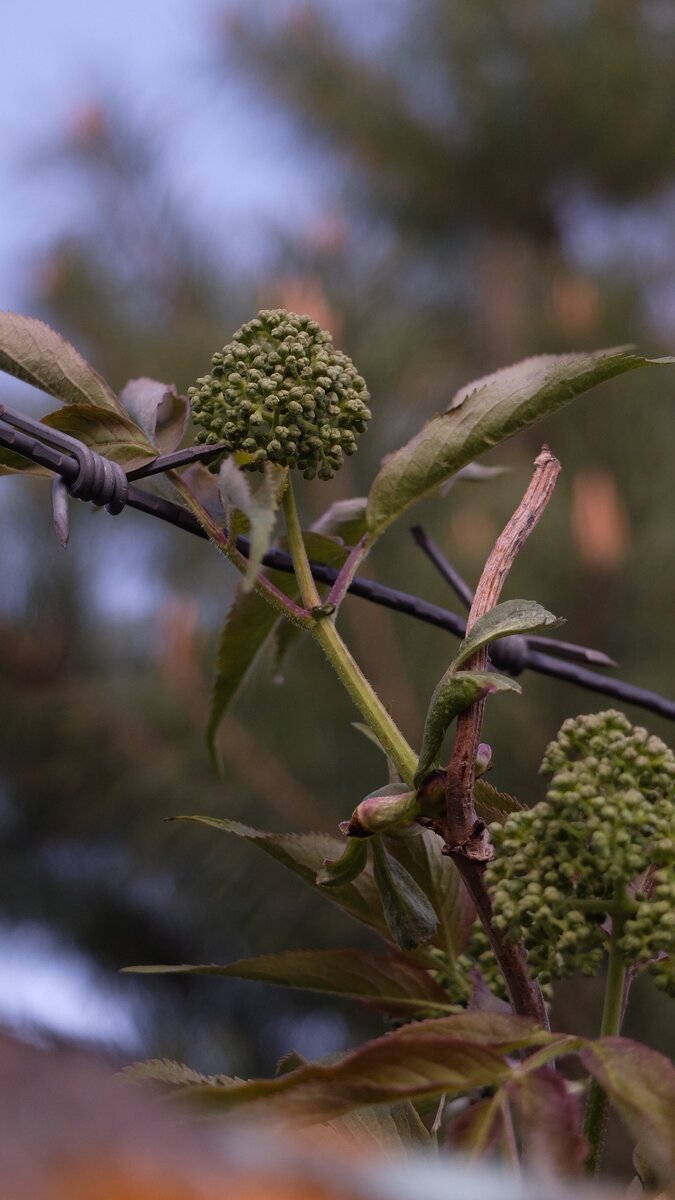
<point>348,571</point>
<point>346,668</point>
<point>265,588</point>
<point>612,1018</point>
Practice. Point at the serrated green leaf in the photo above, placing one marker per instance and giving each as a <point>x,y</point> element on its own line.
<point>508,618</point>
<point>455,692</point>
<point>11,463</point>
<point>640,1084</point>
<point>492,805</point>
<point>304,854</point>
<point>473,473</point>
<point>450,1054</point>
<point>345,519</point>
<point>258,504</point>
<point>172,1074</point>
<point>109,433</point>
<point>383,981</point>
<point>483,414</point>
<point>248,624</point>
<point>410,917</point>
<point>37,354</point>
<point>158,410</point>
<point>441,882</point>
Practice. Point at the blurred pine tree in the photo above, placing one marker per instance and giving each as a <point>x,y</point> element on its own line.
<point>498,181</point>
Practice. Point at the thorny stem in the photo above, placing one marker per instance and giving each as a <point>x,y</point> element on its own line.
<point>612,1018</point>
<point>322,628</point>
<point>465,835</point>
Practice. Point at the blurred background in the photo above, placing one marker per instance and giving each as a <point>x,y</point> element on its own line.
<point>447,185</point>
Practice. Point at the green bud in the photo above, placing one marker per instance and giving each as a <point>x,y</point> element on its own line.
<point>346,868</point>
<point>254,390</point>
<point>386,810</point>
<point>608,820</point>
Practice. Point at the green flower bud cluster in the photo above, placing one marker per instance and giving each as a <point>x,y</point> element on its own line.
<point>479,953</point>
<point>281,393</point>
<point>649,933</point>
<point>606,826</point>
<point>454,976</point>
<point>458,976</point>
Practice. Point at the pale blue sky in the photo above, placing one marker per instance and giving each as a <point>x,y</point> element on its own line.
<point>155,57</point>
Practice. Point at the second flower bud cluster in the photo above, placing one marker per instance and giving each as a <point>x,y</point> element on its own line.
<point>601,845</point>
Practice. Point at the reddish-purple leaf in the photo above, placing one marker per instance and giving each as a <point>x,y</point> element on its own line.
<point>382,981</point>
<point>550,1122</point>
<point>451,1054</point>
<point>640,1084</point>
<point>504,1030</point>
<point>478,1129</point>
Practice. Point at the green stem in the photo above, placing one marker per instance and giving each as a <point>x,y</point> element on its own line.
<point>221,540</point>
<point>346,668</point>
<point>612,1016</point>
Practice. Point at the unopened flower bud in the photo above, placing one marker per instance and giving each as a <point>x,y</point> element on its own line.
<point>257,387</point>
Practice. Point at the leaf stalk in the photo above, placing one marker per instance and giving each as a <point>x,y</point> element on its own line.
<point>346,668</point>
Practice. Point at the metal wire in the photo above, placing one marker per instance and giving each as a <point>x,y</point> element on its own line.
<point>63,456</point>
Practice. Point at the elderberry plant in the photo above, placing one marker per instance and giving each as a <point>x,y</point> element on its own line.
<point>479,902</point>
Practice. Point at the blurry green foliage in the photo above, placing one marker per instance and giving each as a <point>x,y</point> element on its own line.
<point>502,180</point>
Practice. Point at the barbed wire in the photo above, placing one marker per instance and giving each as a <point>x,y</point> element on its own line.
<point>86,475</point>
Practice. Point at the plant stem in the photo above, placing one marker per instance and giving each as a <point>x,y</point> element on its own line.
<point>465,836</point>
<point>612,1016</point>
<point>348,571</point>
<point>283,604</point>
<point>461,832</point>
<point>346,668</point>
